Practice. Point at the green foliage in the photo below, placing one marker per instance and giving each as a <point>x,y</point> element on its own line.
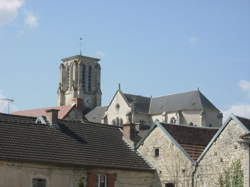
<point>81,182</point>
<point>232,177</point>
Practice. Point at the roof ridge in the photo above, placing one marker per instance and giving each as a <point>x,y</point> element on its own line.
<point>174,94</point>
<point>188,126</point>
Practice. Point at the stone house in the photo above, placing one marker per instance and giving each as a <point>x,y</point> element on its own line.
<point>230,144</point>
<point>197,157</point>
<point>49,152</point>
<point>173,150</point>
<point>189,108</point>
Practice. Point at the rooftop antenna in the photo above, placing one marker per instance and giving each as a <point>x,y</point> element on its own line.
<point>8,102</point>
<point>80,45</point>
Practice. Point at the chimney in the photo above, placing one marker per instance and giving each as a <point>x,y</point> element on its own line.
<point>78,102</point>
<point>129,132</point>
<point>52,115</point>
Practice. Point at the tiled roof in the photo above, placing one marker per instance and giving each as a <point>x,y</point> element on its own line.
<point>96,115</point>
<point>72,143</point>
<point>192,139</point>
<point>245,122</point>
<point>63,111</point>
<point>193,100</point>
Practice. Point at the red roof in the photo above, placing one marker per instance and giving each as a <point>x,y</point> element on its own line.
<point>63,111</point>
<point>193,139</point>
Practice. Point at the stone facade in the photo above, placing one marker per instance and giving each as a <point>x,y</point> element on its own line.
<point>80,78</point>
<point>227,148</point>
<point>127,108</point>
<point>172,165</point>
<point>14,174</point>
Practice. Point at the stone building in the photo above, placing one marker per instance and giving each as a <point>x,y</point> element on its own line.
<point>197,156</point>
<point>189,108</point>
<point>80,78</point>
<point>173,150</point>
<point>48,152</point>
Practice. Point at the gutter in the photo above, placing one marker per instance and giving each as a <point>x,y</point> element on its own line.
<point>193,173</point>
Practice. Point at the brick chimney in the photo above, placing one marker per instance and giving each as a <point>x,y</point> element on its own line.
<point>79,103</point>
<point>129,132</point>
<point>52,116</point>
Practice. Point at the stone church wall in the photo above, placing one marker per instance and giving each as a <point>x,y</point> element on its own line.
<point>225,150</point>
<point>118,109</point>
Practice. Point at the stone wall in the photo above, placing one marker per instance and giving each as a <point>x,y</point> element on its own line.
<point>14,174</point>
<point>225,150</point>
<point>171,164</point>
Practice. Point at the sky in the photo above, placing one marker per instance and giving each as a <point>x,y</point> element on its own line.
<point>151,48</point>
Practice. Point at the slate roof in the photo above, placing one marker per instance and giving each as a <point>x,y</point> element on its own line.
<point>245,122</point>
<point>72,143</point>
<point>63,111</point>
<point>193,139</point>
<point>96,115</point>
<point>140,103</point>
<point>193,100</point>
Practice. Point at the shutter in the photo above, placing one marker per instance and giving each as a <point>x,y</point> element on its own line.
<point>91,179</point>
<point>111,180</point>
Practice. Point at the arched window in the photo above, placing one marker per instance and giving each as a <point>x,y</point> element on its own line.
<point>83,76</point>
<point>89,78</point>
<point>173,120</point>
<point>121,122</point>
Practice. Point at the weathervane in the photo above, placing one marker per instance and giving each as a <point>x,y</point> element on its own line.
<point>80,45</point>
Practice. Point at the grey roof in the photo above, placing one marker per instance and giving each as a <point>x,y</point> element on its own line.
<point>140,103</point>
<point>96,115</point>
<point>69,143</point>
<point>193,100</point>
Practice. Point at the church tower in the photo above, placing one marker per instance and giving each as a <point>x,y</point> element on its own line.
<point>80,78</point>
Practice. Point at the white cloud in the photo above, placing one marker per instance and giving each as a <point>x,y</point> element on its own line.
<point>5,106</point>
<point>245,86</point>
<point>9,10</point>
<point>193,40</point>
<point>100,54</point>
<point>240,109</point>
<point>31,20</point>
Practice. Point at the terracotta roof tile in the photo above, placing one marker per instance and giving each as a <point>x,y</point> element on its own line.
<point>63,111</point>
<point>193,139</point>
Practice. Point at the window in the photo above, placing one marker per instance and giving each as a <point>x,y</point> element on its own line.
<point>169,185</point>
<point>173,120</point>
<point>37,182</point>
<point>101,180</point>
<point>157,152</point>
<point>117,106</point>
<point>89,78</point>
<point>83,76</point>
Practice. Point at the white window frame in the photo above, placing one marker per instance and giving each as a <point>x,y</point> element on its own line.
<point>106,179</point>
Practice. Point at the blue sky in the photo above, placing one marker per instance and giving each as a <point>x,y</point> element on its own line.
<point>150,47</point>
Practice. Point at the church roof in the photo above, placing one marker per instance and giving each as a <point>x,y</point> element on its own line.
<point>193,100</point>
<point>63,111</point>
<point>69,143</point>
<point>96,115</point>
<point>140,103</point>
